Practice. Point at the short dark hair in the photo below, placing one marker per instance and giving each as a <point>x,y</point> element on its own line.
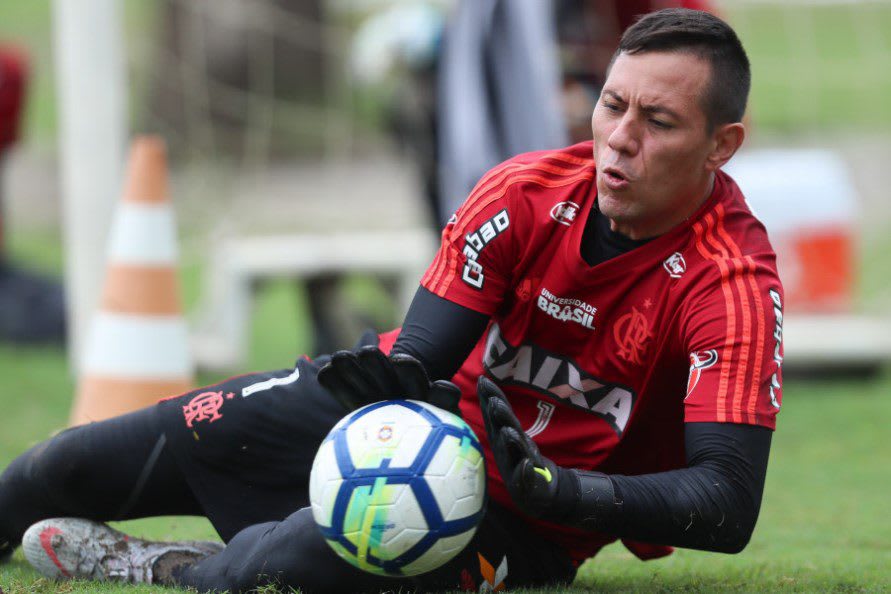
<point>708,37</point>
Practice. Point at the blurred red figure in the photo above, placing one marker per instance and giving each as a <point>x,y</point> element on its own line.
<point>31,306</point>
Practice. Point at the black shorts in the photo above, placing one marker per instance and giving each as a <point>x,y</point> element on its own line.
<point>246,445</point>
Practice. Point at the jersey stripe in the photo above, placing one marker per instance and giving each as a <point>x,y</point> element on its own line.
<point>489,180</point>
<point>732,317</point>
<point>759,344</point>
<point>446,257</point>
<point>702,230</point>
<point>722,232</point>
<point>495,189</point>
<point>737,278</point>
<point>436,270</point>
<point>747,403</point>
<point>447,282</point>
<point>745,350</point>
<point>738,272</point>
<point>430,269</point>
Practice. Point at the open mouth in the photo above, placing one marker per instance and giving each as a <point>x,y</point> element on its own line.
<point>615,175</point>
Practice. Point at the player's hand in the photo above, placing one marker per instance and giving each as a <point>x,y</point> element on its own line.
<point>366,375</point>
<point>537,485</point>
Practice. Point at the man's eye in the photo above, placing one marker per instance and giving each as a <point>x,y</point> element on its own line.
<point>611,106</point>
<point>660,124</point>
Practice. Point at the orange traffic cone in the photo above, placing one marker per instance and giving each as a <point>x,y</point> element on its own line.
<point>138,347</point>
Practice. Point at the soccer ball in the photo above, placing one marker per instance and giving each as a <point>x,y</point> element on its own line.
<point>397,487</point>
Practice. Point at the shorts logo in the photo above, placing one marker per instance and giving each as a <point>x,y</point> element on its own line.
<point>699,361</point>
<point>205,407</point>
<point>675,265</point>
<point>567,310</point>
<point>565,212</point>
<point>493,579</point>
<point>632,336</point>
<point>474,244</point>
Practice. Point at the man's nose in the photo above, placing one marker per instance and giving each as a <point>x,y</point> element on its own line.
<point>625,137</point>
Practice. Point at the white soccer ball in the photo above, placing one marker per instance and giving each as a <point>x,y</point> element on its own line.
<point>397,487</point>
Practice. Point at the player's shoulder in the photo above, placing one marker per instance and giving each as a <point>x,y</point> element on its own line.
<point>574,157</point>
<point>727,228</point>
<point>537,172</point>
<point>727,240</point>
<point>530,184</point>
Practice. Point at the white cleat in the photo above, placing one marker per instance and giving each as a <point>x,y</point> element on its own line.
<point>73,548</point>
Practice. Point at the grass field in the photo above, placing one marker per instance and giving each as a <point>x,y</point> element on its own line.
<point>825,525</point>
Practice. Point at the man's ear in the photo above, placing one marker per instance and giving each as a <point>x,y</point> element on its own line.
<point>727,139</point>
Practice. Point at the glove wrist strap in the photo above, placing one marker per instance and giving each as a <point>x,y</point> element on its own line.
<point>595,503</point>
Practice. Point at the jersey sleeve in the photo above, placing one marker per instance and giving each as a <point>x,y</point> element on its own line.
<point>732,334</point>
<point>477,254</point>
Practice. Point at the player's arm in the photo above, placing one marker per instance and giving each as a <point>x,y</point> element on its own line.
<point>437,336</point>
<point>712,504</point>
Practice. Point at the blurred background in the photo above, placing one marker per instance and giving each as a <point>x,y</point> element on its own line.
<point>315,147</point>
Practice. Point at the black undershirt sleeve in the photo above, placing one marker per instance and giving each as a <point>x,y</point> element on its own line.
<point>711,505</point>
<point>440,334</point>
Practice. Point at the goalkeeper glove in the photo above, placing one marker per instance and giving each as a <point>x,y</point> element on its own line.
<point>539,487</point>
<point>366,375</point>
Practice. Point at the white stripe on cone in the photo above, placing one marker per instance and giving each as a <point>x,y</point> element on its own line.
<point>143,234</point>
<point>138,347</point>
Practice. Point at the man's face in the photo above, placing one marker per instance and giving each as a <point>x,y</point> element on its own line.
<point>651,142</point>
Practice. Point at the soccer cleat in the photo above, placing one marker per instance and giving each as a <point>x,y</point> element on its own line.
<point>73,548</point>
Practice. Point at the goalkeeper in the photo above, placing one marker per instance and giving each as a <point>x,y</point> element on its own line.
<point>614,333</point>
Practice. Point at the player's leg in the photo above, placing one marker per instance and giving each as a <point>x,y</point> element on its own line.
<point>117,469</point>
<point>292,553</point>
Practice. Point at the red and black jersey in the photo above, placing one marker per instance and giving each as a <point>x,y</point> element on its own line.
<point>603,364</point>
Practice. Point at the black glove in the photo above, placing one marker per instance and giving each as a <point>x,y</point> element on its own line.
<point>366,375</point>
<point>538,486</point>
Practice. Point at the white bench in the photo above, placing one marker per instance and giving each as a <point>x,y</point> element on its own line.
<point>221,337</point>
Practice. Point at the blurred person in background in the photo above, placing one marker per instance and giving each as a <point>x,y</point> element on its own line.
<point>32,308</point>
<point>507,77</point>
<point>611,316</point>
